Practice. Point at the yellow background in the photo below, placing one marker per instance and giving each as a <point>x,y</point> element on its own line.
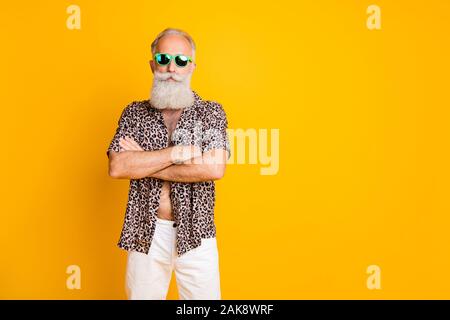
<point>364,143</point>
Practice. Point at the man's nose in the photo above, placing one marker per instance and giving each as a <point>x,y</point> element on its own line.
<point>172,66</point>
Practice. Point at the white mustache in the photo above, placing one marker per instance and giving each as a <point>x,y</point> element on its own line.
<point>163,76</point>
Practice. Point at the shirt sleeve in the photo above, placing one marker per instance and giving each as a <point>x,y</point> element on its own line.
<point>125,127</point>
<point>215,134</point>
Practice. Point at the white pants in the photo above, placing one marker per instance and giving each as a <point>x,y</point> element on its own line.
<point>196,271</point>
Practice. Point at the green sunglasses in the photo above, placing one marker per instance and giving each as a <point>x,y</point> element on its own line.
<point>181,60</point>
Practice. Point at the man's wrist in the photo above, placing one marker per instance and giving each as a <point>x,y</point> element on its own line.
<point>182,153</point>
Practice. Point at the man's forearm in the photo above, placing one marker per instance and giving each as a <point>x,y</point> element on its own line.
<point>189,173</point>
<point>139,164</point>
<point>210,166</point>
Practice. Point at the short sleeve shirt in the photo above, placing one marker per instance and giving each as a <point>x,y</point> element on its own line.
<point>203,124</point>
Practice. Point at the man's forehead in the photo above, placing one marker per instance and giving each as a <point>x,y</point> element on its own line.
<point>174,43</point>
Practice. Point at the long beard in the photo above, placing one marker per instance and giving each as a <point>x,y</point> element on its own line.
<point>171,94</point>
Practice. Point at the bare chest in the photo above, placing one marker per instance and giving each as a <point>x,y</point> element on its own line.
<point>171,118</point>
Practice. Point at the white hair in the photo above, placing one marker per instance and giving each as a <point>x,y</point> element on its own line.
<point>179,32</point>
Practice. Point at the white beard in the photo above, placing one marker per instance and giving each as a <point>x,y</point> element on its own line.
<point>171,94</point>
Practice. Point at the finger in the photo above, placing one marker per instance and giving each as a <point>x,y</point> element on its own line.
<point>131,141</point>
<point>137,145</point>
<point>125,141</point>
<point>122,141</point>
<point>126,145</point>
<point>123,144</point>
<point>133,147</point>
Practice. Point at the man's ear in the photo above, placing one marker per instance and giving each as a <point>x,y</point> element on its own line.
<point>152,65</point>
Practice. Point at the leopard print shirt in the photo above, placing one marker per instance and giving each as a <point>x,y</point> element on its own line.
<point>192,203</point>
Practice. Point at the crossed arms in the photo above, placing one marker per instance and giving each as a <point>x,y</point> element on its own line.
<point>176,163</point>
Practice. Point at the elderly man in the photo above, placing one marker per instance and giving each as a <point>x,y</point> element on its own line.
<point>172,147</point>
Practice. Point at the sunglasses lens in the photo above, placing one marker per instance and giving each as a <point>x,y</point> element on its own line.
<point>162,59</point>
<point>181,61</point>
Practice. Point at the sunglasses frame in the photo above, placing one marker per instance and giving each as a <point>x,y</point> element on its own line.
<point>171,57</point>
